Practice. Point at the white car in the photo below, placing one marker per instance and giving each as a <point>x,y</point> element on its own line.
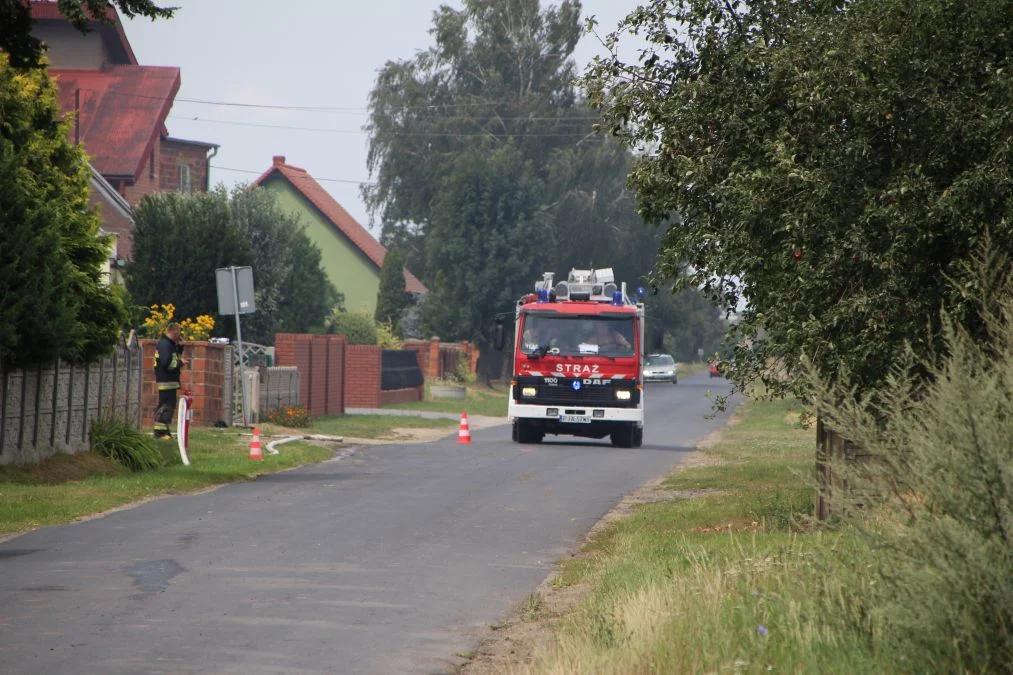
<point>661,368</point>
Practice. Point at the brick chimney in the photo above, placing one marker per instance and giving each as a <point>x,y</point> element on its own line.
<point>279,160</point>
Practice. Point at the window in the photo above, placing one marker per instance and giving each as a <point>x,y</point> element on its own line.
<point>660,360</point>
<point>184,178</point>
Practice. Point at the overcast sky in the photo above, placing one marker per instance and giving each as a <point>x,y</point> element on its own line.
<point>315,53</point>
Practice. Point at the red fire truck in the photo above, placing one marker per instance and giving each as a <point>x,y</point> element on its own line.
<point>578,360</point>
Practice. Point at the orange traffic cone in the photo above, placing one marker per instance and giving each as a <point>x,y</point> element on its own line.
<point>464,433</point>
<point>255,451</point>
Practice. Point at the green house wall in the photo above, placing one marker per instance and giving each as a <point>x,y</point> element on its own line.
<point>348,268</point>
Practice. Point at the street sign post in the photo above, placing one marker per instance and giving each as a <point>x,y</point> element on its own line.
<point>235,296</point>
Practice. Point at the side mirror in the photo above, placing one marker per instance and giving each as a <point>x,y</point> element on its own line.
<point>657,339</point>
<point>499,335</point>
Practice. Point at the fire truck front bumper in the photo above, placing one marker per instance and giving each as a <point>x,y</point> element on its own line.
<point>574,413</point>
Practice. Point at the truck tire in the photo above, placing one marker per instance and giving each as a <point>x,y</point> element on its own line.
<point>622,436</point>
<point>526,433</point>
<point>638,437</point>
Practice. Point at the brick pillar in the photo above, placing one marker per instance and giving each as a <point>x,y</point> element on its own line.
<point>296,349</point>
<point>434,358</point>
<point>204,378</point>
<point>318,375</point>
<point>473,354</point>
<point>363,364</point>
<point>336,345</point>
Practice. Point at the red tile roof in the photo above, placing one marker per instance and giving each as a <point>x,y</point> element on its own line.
<point>122,112</point>
<point>339,217</point>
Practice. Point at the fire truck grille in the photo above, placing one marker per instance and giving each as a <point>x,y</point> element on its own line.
<point>563,393</point>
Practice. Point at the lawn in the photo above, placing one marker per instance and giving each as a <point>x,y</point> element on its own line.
<point>68,487</point>
<point>382,427</point>
<point>726,574</point>
<point>481,400</point>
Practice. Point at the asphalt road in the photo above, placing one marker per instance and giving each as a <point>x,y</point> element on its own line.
<point>391,560</point>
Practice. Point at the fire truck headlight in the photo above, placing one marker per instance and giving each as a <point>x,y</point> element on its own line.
<point>623,394</point>
<point>529,392</point>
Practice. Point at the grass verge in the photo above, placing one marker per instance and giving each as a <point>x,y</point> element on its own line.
<point>381,427</point>
<point>68,487</point>
<point>691,368</point>
<point>481,400</point>
<point>726,576</point>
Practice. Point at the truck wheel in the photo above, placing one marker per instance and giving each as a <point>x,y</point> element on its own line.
<point>638,437</point>
<point>622,437</point>
<point>527,433</point>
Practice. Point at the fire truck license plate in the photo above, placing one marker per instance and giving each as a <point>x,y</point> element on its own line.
<point>575,419</point>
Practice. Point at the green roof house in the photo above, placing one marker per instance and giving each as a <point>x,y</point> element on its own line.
<point>351,256</point>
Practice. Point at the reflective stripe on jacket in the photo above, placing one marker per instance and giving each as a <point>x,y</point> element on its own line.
<point>167,363</point>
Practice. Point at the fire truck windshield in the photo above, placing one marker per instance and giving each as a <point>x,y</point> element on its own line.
<point>577,335</point>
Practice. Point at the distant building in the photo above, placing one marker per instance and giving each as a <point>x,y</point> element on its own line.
<point>119,110</point>
<point>117,221</point>
<point>351,256</point>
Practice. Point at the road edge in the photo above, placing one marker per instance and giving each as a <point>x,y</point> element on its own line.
<point>513,641</point>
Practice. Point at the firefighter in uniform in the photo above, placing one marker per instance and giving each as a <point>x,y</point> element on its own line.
<point>168,362</point>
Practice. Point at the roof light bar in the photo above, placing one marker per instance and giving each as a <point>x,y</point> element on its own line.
<point>597,285</point>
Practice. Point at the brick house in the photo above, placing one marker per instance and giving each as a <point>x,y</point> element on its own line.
<point>117,217</point>
<point>351,256</point>
<point>119,110</point>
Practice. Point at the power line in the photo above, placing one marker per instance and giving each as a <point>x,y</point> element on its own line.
<point>266,126</point>
<point>348,110</point>
<point>327,180</point>
<point>285,127</point>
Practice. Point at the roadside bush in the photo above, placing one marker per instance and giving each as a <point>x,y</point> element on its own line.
<point>289,416</point>
<point>358,327</point>
<point>941,532</point>
<point>117,439</point>
<point>386,336</point>
<point>462,371</point>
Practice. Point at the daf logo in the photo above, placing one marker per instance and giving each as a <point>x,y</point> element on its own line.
<point>576,385</point>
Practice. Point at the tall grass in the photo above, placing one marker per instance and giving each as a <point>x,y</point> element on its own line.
<point>732,577</point>
<point>118,440</point>
<point>942,530</point>
<point>744,603</point>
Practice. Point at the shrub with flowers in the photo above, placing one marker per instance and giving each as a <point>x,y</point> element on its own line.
<point>190,329</point>
<point>289,416</point>
<point>197,329</point>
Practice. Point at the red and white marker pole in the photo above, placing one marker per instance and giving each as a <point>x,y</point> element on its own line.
<point>183,426</point>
